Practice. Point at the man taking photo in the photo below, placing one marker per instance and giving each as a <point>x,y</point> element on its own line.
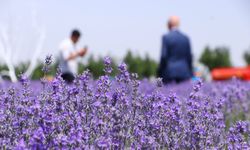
<point>69,54</point>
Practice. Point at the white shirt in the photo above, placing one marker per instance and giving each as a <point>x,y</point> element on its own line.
<point>66,48</point>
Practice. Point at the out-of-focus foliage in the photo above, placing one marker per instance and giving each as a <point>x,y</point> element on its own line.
<point>38,73</point>
<point>144,67</point>
<point>215,58</point>
<point>3,67</point>
<point>247,56</point>
<point>95,66</point>
<point>21,67</point>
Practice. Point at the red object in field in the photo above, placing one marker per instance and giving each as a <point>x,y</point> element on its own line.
<point>227,73</point>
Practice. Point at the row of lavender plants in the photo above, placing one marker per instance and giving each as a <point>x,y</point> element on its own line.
<point>123,113</point>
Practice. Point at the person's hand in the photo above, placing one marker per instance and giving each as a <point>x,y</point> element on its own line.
<point>83,51</point>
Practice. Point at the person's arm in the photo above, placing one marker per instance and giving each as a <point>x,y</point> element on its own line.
<point>190,57</point>
<point>163,57</point>
<point>83,51</point>
<point>74,55</point>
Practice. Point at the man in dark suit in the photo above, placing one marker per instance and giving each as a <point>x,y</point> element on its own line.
<point>176,57</point>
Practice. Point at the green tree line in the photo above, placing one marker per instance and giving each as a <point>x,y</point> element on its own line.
<point>216,58</point>
<point>220,57</point>
<point>145,67</point>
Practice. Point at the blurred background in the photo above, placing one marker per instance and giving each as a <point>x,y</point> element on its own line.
<point>127,31</point>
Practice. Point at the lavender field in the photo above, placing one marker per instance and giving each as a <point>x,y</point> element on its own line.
<point>123,113</point>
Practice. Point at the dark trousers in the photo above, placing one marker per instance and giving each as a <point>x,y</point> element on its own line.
<point>68,77</point>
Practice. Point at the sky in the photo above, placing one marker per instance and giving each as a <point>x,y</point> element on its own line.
<point>112,27</point>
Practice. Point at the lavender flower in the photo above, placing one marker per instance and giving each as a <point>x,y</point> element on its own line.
<point>48,61</point>
<point>108,68</point>
<point>126,113</point>
<point>159,82</point>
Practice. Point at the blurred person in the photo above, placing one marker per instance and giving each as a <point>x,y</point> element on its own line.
<point>176,58</point>
<point>69,54</point>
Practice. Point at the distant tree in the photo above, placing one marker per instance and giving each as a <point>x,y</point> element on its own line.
<point>222,57</point>
<point>38,73</point>
<point>4,74</point>
<point>247,56</point>
<point>21,68</point>
<point>81,68</point>
<point>95,66</point>
<point>150,67</point>
<point>145,68</point>
<point>134,63</point>
<point>207,58</point>
<point>128,57</point>
<point>215,58</point>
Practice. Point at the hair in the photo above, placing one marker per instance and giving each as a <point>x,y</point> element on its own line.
<point>75,33</point>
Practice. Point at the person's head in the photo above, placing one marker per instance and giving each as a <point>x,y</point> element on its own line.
<point>75,35</point>
<point>173,22</point>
